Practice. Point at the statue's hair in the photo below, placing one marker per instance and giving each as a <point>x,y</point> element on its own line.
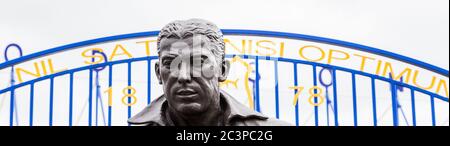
<point>181,28</point>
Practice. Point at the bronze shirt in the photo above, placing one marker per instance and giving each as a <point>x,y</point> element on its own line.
<point>236,114</point>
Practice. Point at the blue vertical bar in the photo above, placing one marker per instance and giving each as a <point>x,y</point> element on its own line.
<point>11,109</point>
<point>433,113</point>
<point>51,103</point>
<point>129,91</point>
<point>355,107</point>
<point>295,91</point>
<point>316,108</point>
<point>149,80</point>
<point>277,102</point>
<point>31,103</point>
<point>96,98</point>
<point>336,117</point>
<point>71,99</point>
<point>110,86</point>
<point>394,103</point>
<point>109,117</point>
<point>90,97</point>
<point>374,102</point>
<point>257,77</point>
<point>11,106</point>
<point>413,106</point>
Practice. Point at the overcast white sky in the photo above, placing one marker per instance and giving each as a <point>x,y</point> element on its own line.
<point>415,28</point>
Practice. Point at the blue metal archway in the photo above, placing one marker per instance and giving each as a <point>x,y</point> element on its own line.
<point>275,60</point>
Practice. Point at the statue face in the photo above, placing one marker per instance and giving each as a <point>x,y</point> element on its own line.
<point>190,74</point>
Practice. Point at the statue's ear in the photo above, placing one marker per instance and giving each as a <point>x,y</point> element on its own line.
<point>225,70</point>
<point>158,74</point>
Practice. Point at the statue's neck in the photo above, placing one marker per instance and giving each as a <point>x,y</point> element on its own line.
<point>211,117</point>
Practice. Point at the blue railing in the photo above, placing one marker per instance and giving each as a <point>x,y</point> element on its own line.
<point>354,73</point>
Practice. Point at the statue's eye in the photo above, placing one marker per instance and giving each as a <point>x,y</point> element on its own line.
<point>200,60</point>
<point>166,62</point>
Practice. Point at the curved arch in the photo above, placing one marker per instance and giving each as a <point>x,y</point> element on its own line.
<point>70,71</point>
<point>349,45</point>
<point>359,47</point>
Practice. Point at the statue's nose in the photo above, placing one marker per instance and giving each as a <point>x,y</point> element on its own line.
<point>184,75</point>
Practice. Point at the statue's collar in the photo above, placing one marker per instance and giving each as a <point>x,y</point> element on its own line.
<point>152,114</point>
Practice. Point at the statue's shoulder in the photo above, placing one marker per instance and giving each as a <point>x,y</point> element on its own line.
<point>150,115</point>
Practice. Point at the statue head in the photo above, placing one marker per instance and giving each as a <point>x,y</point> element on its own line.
<point>191,64</point>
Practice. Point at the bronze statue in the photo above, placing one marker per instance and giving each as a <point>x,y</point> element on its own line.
<point>191,64</point>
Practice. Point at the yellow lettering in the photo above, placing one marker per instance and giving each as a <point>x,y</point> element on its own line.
<point>443,84</point>
<point>85,54</point>
<point>19,70</point>
<point>147,46</point>
<point>346,56</point>
<point>242,50</point>
<point>114,53</point>
<point>52,70</point>
<point>37,72</point>
<point>433,80</point>
<point>378,67</point>
<point>363,61</point>
<point>406,71</point>
<point>44,69</point>
<point>272,50</point>
<point>282,49</point>
<point>312,47</point>
<point>249,51</point>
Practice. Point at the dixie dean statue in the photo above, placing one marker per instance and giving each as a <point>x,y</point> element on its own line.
<point>191,64</point>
